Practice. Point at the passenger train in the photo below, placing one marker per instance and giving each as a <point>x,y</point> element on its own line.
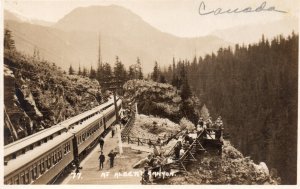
<point>39,158</point>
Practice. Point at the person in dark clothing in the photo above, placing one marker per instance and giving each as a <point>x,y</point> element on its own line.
<point>145,176</point>
<point>191,140</point>
<point>112,131</point>
<point>101,160</point>
<point>177,151</point>
<point>111,156</point>
<point>187,138</point>
<point>151,162</point>
<point>201,123</point>
<point>101,143</point>
<point>77,165</point>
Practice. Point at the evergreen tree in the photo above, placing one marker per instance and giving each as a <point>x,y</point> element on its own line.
<point>185,90</point>
<point>107,76</point>
<point>79,71</point>
<point>93,73</point>
<point>155,74</point>
<point>131,72</point>
<point>71,70</point>
<point>84,72</point>
<point>139,69</point>
<point>120,72</point>
<point>162,79</point>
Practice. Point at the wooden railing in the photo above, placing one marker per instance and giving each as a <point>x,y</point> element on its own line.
<point>138,141</point>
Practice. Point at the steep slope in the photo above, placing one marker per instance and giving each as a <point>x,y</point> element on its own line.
<point>74,39</point>
<point>38,95</point>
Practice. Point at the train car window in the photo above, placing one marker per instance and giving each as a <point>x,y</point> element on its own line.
<point>51,137</point>
<point>55,157</point>
<point>39,143</point>
<point>22,178</point>
<point>26,177</point>
<point>17,180</point>
<point>59,155</point>
<point>23,151</point>
<point>49,162</point>
<point>45,140</point>
<point>65,148</point>
<point>69,147</point>
<point>34,172</point>
<point>39,166</point>
<point>14,156</point>
<point>45,163</point>
<point>42,166</point>
<point>31,147</point>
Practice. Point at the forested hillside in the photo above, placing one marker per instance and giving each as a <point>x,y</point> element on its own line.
<point>254,88</point>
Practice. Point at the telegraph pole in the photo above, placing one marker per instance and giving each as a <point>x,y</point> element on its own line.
<point>113,86</point>
<point>116,107</point>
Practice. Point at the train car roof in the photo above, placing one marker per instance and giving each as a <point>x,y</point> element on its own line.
<point>83,115</point>
<point>24,159</point>
<point>22,143</point>
<point>83,125</point>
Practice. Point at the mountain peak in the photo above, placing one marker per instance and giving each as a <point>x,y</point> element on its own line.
<point>97,18</point>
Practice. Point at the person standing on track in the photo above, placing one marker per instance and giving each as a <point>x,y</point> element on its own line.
<point>101,160</point>
<point>101,143</point>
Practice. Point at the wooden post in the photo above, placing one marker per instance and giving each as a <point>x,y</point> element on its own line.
<point>138,141</point>
<point>128,139</point>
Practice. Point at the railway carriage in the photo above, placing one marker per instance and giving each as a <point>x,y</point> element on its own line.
<point>22,146</point>
<point>39,158</point>
<point>41,165</point>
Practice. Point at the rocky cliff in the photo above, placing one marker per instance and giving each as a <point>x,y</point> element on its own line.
<point>38,94</point>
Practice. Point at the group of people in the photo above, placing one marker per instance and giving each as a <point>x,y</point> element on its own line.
<point>101,158</point>
<point>212,129</point>
<point>209,124</point>
<point>185,140</point>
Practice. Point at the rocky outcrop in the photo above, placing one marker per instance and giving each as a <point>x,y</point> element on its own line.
<point>231,168</point>
<point>159,99</point>
<point>37,95</point>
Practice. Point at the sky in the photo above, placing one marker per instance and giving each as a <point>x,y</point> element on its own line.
<point>178,17</point>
